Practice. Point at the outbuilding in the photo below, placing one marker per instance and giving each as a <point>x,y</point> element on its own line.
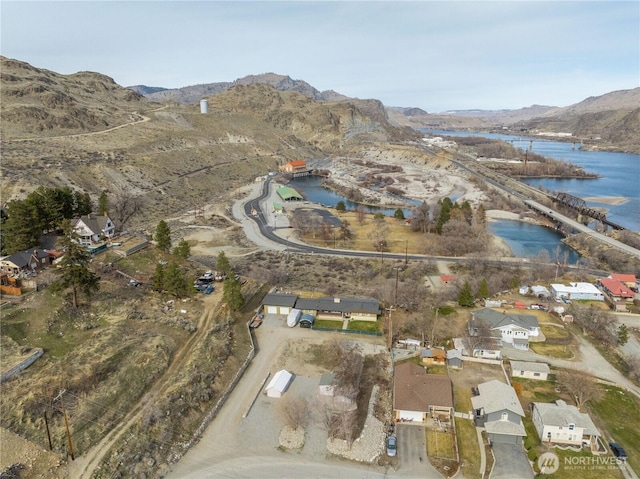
<point>279,303</point>
<point>530,370</point>
<point>279,384</point>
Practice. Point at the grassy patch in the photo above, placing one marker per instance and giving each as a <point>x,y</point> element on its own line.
<point>468,448</point>
<point>536,391</point>
<point>554,331</point>
<point>558,351</point>
<point>462,398</point>
<point>619,413</point>
<point>437,369</point>
<point>364,326</point>
<point>441,444</point>
<point>578,465</point>
<point>323,323</point>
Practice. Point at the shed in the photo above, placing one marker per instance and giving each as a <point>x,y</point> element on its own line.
<point>454,358</point>
<point>279,383</point>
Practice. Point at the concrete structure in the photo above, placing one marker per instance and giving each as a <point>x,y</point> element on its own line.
<point>498,410</point>
<point>279,384</point>
<point>585,291</point>
<point>418,395</point>
<point>515,329</point>
<point>528,370</point>
<point>560,423</point>
<point>204,106</point>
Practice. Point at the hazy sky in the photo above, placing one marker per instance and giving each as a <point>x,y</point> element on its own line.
<point>433,55</point>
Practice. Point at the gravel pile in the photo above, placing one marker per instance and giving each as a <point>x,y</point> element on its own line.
<point>292,438</point>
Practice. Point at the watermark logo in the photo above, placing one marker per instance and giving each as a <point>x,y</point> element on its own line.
<point>548,463</point>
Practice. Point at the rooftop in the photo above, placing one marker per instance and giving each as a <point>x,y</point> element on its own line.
<point>497,396</point>
<point>415,390</point>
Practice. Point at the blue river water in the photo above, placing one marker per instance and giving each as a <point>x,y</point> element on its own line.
<point>619,177</point>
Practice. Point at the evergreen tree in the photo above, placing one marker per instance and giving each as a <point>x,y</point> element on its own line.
<point>83,204</point>
<point>623,334</point>
<point>465,298</point>
<point>223,264</point>
<point>163,236</point>
<point>159,278</point>
<point>175,281</point>
<point>22,228</point>
<point>103,203</point>
<point>378,216</point>
<point>398,214</point>
<point>483,289</point>
<point>182,250</point>
<point>445,213</point>
<point>74,268</point>
<point>340,206</point>
<point>232,294</point>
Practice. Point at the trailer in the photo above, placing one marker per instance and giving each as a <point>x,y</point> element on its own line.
<point>256,321</point>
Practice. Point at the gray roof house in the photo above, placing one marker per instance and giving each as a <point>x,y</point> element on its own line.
<point>529,370</point>
<point>90,228</point>
<point>28,260</point>
<point>279,303</point>
<point>361,309</point>
<point>498,410</point>
<point>560,423</point>
<point>512,328</point>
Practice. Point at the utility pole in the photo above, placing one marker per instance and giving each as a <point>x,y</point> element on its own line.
<point>390,326</point>
<point>381,254</point>
<point>395,298</point>
<point>46,423</point>
<point>406,249</point>
<point>66,422</point>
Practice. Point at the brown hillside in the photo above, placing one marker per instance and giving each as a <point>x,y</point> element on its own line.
<point>38,102</point>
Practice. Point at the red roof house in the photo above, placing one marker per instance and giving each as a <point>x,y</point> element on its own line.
<point>616,289</point>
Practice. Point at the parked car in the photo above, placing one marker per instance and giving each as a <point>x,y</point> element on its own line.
<point>209,289</point>
<point>392,446</point>
<point>618,451</point>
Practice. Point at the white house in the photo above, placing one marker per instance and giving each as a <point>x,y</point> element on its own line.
<point>560,423</point>
<point>279,384</point>
<point>586,291</point>
<point>511,328</point>
<point>528,370</point>
<point>91,228</point>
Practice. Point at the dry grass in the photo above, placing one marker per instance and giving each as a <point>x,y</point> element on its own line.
<point>558,351</point>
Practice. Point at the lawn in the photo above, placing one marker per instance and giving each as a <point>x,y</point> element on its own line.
<point>468,448</point>
<point>323,323</point>
<point>558,351</point>
<point>554,331</point>
<point>441,444</point>
<point>619,413</point>
<point>364,326</point>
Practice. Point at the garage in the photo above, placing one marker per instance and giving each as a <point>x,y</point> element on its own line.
<point>279,303</point>
<point>414,416</point>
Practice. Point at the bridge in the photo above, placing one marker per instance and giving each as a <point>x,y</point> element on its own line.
<point>580,205</point>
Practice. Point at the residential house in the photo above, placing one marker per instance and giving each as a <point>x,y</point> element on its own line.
<point>27,261</point>
<point>418,395</point>
<point>577,291</point>
<point>279,383</point>
<point>332,308</point>
<point>511,328</point>
<point>279,303</point>
<point>530,370</point>
<point>93,229</point>
<point>498,410</point>
<point>560,423</point>
<point>616,290</point>
<point>433,356</point>
<point>628,279</point>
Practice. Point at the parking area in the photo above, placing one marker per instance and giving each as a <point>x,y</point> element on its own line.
<point>511,462</point>
<point>412,451</point>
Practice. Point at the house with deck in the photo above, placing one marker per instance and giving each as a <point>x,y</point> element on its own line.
<point>339,308</point>
<point>511,328</point>
<point>93,229</point>
<point>561,423</point>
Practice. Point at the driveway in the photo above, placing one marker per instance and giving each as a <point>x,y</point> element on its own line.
<point>412,452</point>
<point>511,462</point>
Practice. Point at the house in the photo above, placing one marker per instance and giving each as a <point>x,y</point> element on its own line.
<point>296,166</point>
<point>336,308</point>
<point>498,410</point>
<point>628,279</point>
<point>585,291</point>
<point>529,370</point>
<point>454,358</point>
<point>479,347</point>
<point>418,395</point>
<point>511,328</point>
<point>27,261</point>
<point>433,356</point>
<point>93,229</point>
<point>560,423</point>
<point>616,289</point>
<point>279,303</point>
<point>279,384</point>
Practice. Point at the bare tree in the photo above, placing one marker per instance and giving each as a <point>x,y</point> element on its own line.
<point>580,386</point>
<point>125,206</point>
<point>294,411</point>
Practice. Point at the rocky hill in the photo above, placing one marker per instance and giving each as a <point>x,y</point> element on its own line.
<point>194,93</point>
<point>38,102</point>
<point>105,137</point>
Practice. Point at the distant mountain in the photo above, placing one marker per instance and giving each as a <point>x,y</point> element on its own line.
<point>194,93</point>
<point>146,90</point>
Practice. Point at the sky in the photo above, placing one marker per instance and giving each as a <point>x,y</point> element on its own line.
<point>435,55</point>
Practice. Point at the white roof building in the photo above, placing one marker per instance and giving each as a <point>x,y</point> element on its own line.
<point>586,291</point>
<point>279,384</point>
